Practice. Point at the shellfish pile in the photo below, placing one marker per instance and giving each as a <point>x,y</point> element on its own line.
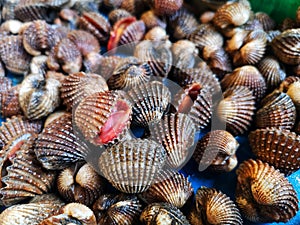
<point>105,102</point>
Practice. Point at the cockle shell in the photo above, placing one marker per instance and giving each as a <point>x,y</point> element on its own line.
<point>112,4</point>
<point>176,133</point>
<point>163,213</point>
<point>214,207</point>
<point>266,21</point>
<point>165,8</point>
<point>151,20</point>
<point>173,188</point>
<point>91,62</point>
<point>103,117</point>
<point>5,86</point>
<point>10,105</point>
<point>293,91</point>
<point>236,109</point>
<point>184,53</point>
<point>135,7</point>
<point>276,110</point>
<point>149,102</point>
<point>55,115</point>
<point>118,14</point>
<point>38,96</point>
<point>263,194</point>
<point>77,86</point>
<point>107,64</point>
<point>216,150</point>
<point>38,64</point>
<point>57,147</point>
<point>117,210</point>
<point>287,82</point>
<point>277,147</point>
<point>80,183</point>
<point>8,10</point>
<point>156,34</point>
<point>132,166</point>
<point>207,16</point>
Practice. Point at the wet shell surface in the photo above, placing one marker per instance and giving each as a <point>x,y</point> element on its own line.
<point>216,150</point>
<point>149,102</point>
<point>277,110</point>
<point>163,213</point>
<point>277,147</point>
<point>132,166</point>
<point>173,188</point>
<point>184,53</point>
<point>214,207</point>
<point>9,101</point>
<point>263,194</point>
<point>176,133</point>
<point>77,86</point>
<point>118,14</point>
<point>103,117</point>
<point>166,8</point>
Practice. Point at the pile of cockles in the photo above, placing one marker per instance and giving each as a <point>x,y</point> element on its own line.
<point>104,102</point>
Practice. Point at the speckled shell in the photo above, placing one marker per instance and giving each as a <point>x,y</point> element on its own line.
<point>236,14</point>
<point>131,166</point>
<point>135,7</point>
<point>57,147</point>
<point>214,207</point>
<point>285,46</point>
<point>118,14</point>
<point>277,147</point>
<point>149,102</point>
<point>173,188</point>
<point>184,53</point>
<point>216,150</point>
<point>236,109</point>
<point>103,117</point>
<point>117,210</point>
<point>77,86</point>
<point>38,96</point>
<point>176,133</point>
<point>80,183</point>
<point>5,86</point>
<point>267,22</point>
<point>263,194</point>
<point>276,110</point>
<point>25,176</point>
<point>163,213</point>
<point>165,8</point>
<point>157,54</point>
<point>151,20</point>
<point>129,73</point>
<point>13,54</point>
<point>248,76</point>
<point>10,105</point>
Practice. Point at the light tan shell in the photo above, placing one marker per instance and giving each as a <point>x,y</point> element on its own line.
<point>156,34</point>
<point>151,20</point>
<point>263,194</point>
<point>294,92</point>
<point>132,166</point>
<point>184,53</point>
<point>287,82</point>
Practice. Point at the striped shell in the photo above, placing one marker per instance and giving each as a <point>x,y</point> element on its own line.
<point>236,109</point>
<point>132,166</point>
<point>263,194</point>
<point>57,147</point>
<point>9,102</point>
<point>216,150</point>
<point>77,86</point>
<point>279,148</point>
<point>265,20</point>
<point>276,110</point>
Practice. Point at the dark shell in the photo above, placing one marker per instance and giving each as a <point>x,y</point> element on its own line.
<point>107,64</point>
<point>267,22</point>
<point>118,14</point>
<point>151,20</point>
<point>10,105</point>
<point>165,8</point>
<point>293,91</point>
<point>218,60</point>
<point>135,7</point>
<point>5,86</point>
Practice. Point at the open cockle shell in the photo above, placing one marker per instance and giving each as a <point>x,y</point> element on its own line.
<point>132,166</point>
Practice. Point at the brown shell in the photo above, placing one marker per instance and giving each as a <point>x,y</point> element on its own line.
<point>118,14</point>
<point>287,82</point>
<point>263,194</point>
<point>207,16</point>
<point>166,8</point>
<point>163,213</point>
<point>57,147</point>
<point>135,7</point>
<point>293,91</point>
<point>216,150</point>
<point>103,117</point>
<point>267,22</point>
<point>80,183</point>
<point>107,66</point>
<point>184,54</point>
<point>132,166</point>
<point>276,110</point>
<point>175,132</point>
<point>77,86</point>
<point>10,105</point>
<point>248,76</point>
<point>151,20</point>
<point>13,54</point>
<point>214,207</point>
<point>157,34</point>
<point>91,62</point>
<point>277,147</point>
<point>5,86</point>
<point>236,109</point>
<point>285,46</point>
<point>38,64</point>
<point>173,188</point>
<point>129,73</point>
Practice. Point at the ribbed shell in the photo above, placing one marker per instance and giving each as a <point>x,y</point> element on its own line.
<point>284,86</point>
<point>215,207</point>
<point>184,54</point>
<point>236,109</point>
<point>216,150</point>
<point>247,76</point>
<point>10,105</point>
<point>279,148</point>
<point>293,91</point>
<point>25,176</point>
<point>263,194</point>
<point>149,102</point>
<point>38,64</point>
<point>286,46</point>
<point>267,22</point>
<point>173,188</point>
<point>163,213</point>
<point>118,14</point>
<point>176,133</point>
<point>57,147</point>
<point>276,110</point>
<point>218,60</point>
<point>107,66</point>
<point>77,86</point>
<point>5,86</point>
<point>132,166</point>
<point>151,20</point>
<point>166,8</point>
